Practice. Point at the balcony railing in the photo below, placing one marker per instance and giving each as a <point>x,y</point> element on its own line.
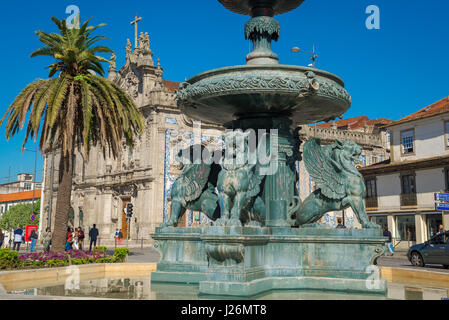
<point>408,200</point>
<point>371,202</point>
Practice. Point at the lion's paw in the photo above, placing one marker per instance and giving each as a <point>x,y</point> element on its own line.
<point>234,222</point>
<point>371,225</point>
<point>220,222</point>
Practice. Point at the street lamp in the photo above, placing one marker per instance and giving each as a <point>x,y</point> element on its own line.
<point>34,177</point>
<point>313,53</point>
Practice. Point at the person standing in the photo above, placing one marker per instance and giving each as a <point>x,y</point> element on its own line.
<point>33,238</point>
<point>2,238</point>
<point>69,239</point>
<point>47,239</point>
<point>389,243</point>
<point>340,224</point>
<point>116,236</point>
<point>76,239</point>
<point>440,229</point>
<point>80,238</point>
<point>120,236</point>
<point>18,238</point>
<point>93,234</point>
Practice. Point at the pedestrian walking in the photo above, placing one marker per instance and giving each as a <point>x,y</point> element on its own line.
<point>93,234</point>
<point>80,238</point>
<point>2,238</point>
<point>389,243</point>
<point>47,239</point>
<point>33,238</point>
<point>340,224</point>
<point>18,238</point>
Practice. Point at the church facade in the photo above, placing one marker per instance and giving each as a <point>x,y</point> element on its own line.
<point>143,175</point>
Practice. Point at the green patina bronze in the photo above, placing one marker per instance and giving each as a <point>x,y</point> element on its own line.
<point>339,184</point>
<point>263,237</point>
<point>195,187</point>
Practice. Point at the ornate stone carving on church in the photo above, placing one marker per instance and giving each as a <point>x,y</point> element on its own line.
<point>131,85</point>
<point>113,60</point>
<point>129,49</point>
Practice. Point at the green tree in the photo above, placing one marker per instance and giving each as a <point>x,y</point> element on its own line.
<point>20,215</point>
<point>77,109</point>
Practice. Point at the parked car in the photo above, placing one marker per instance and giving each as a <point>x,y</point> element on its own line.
<point>433,251</point>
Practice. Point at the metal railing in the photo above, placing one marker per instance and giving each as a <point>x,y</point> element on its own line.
<point>371,202</point>
<point>408,200</point>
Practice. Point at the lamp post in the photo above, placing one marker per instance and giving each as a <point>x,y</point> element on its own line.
<point>34,177</point>
<point>313,53</point>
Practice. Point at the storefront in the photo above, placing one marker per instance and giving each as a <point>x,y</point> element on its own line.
<point>381,220</point>
<point>405,228</point>
<point>433,222</point>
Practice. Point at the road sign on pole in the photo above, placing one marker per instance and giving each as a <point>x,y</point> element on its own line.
<point>443,197</point>
<point>442,206</point>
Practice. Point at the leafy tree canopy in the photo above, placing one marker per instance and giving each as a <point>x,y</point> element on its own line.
<point>20,215</point>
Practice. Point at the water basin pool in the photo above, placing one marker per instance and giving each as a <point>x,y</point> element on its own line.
<point>143,289</point>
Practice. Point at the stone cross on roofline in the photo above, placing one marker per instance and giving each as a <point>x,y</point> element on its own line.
<point>134,22</point>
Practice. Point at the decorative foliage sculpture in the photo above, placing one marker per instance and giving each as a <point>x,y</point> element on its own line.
<point>339,184</point>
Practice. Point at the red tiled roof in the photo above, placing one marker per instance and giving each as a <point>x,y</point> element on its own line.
<point>438,107</point>
<point>172,86</point>
<point>357,122</point>
<point>20,196</point>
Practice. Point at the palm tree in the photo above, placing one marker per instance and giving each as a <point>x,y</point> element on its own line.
<point>77,109</point>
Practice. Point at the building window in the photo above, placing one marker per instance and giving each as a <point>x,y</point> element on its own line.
<point>363,160</point>
<point>406,228</point>
<point>433,222</point>
<point>407,138</point>
<point>446,178</point>
<point>446,133</point>
<point>27,186</point>
<point>388,134</point>
<point>380,220</point>
<point>371,193</point>
<point>408,194</point>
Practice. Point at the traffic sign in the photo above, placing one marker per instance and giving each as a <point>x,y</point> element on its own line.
<point>442,197</point>
<point>442,206</point>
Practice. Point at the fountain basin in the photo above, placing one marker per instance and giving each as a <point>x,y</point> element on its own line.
<point>244,261</point>
<point>306,95</point>
<point>246,7</point>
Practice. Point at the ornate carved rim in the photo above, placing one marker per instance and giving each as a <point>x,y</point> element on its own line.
<point>265,68</point>
<point>250,82</point>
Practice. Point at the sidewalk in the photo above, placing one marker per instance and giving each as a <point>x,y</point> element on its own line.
<point>146,255</point>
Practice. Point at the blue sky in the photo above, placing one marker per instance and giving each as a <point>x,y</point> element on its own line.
<point>390,72</point>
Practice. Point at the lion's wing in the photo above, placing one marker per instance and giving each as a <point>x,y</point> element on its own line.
<point>191,182</point>
<point>254,183</point>
<point>317,162</point>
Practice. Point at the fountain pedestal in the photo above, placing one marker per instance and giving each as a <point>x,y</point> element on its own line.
<point>241,261</point>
